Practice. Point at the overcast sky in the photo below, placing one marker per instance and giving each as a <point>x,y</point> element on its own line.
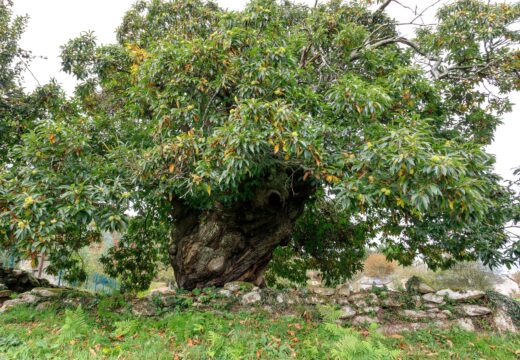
<point>53,22</point>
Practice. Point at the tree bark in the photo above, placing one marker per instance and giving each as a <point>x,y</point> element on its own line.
<point>214,247</point>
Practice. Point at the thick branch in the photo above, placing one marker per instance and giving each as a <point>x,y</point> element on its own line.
<point>383,6</point>
<point>394,40</point>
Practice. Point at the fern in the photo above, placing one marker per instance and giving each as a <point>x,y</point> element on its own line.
<point>334,330</point>
<point>216,342</point>
<point>329,314</point>
<point>9,341</point>
<point>75,325</point>
<point>349,345</point>
<point>126,327</point>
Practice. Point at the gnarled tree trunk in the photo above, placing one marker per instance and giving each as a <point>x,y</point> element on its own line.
<point>214,247</point>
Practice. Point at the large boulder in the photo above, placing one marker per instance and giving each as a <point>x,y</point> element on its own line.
<point>506,286</point>
<point>343,290</point>
<point>465,324</point>
<point>20,281</point>
<point>475,310</point>
<point>503,322</point>
<point>363,320</point>
<point>236,286</point>
<point>460,295</point>
<point>23,299</point>
<point>48,292</point>
<point>347,312</point>
<point>416,286</point>
<point>144,307</point>
<point>251,298</point>
<point>322,291</point>
<point>433,298</point>
<point>5,294</point>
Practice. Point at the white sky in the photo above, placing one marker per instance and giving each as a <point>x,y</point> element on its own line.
<point>53,22</point>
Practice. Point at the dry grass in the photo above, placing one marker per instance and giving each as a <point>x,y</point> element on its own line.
<point>515,277</point>
<point>463,276</point>
<point>376,265</point>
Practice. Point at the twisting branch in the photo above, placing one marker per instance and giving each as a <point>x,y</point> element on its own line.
<point>303,58</point>
<point>476,68</point>
<point>393,40</point>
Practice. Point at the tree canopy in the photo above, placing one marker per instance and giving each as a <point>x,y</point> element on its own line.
<point>326,118</point>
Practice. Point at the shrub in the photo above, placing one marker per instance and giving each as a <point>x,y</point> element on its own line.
<point>466,276</point>
<point>376,265</point>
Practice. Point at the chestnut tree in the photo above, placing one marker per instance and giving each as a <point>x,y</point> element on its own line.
<point>213,137</point>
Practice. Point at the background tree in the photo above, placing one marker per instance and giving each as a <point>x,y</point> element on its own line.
<point>231,126</point>
<point>20,113</point>
<point>11,65</point>
<point>18,110</point>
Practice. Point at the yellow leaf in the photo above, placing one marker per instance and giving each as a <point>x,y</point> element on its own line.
<point>276,148</point>
<point>208,189</point>
<point>332,178</point>
<point>171,168</point>
<point>52,138</point>
<point>134,69</point>
<point>196,178</point>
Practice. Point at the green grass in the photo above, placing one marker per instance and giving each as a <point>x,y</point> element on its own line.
<point>79,333</point>
<point>457,344</point>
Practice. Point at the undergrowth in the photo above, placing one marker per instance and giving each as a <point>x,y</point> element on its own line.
<point>114,333</point>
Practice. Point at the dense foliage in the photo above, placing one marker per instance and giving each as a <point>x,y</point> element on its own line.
<point>324,239</point>
<point>11,65</point>
<point>134,260</point>
<point>205,105</point>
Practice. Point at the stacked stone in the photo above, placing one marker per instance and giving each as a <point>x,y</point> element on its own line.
<point>419,307</point>
<point>5,293</point>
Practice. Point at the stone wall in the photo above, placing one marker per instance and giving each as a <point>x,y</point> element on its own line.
<point>394,311</point>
